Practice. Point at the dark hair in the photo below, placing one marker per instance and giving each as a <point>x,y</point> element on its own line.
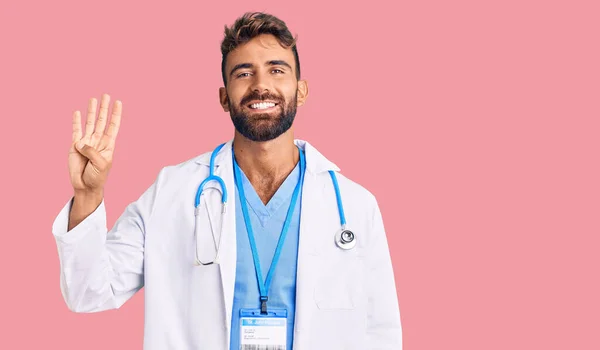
<point>252,24</point>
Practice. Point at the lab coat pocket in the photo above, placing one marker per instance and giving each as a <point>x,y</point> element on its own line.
<point>339,284</point>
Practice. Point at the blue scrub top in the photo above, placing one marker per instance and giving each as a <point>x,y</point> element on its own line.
<point>267,222</point>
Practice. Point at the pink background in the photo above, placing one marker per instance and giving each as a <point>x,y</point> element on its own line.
<point>474,123</point>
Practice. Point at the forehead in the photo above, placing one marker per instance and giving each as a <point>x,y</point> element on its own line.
<point>258,51</point>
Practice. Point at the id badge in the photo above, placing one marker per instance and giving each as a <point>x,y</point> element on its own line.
<point>263,331</point>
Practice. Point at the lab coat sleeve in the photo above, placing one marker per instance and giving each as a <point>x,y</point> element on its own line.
<point>101,269</point>
<point>384,328</point>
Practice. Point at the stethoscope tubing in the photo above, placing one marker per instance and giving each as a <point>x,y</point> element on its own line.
<point>342,243</point>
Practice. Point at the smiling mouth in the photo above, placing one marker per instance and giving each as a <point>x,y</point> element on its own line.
<point>262,106</point>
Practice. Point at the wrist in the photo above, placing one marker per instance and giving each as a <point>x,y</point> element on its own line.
<point>89,194</point>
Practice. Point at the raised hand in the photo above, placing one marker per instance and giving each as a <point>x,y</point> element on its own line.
<point>89,165</point>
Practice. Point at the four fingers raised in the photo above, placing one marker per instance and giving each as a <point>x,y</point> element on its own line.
<point>94,131</point>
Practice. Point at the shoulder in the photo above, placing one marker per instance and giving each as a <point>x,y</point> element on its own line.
<point>356,197</point>
<point>176,172</point>
<point>358,191</point>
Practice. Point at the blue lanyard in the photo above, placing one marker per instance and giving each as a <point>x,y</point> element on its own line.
<point>264,287</point>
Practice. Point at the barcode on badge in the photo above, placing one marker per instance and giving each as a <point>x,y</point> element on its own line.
<point>262,347</point>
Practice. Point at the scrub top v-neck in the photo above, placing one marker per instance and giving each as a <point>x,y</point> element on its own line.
<point>267,223</point>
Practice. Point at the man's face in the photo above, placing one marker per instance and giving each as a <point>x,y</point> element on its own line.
<point>262,90</point>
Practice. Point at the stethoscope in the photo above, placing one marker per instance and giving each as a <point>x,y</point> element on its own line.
<point>344,238</point>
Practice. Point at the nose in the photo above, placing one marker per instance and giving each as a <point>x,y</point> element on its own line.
<point>260,83</point>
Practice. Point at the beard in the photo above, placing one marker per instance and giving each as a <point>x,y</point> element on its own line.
<point>263,126</point>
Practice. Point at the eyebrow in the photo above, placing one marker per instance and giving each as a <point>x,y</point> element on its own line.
<point>268,63</point>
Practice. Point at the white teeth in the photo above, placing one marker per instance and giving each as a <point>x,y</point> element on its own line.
<point>262,105</point>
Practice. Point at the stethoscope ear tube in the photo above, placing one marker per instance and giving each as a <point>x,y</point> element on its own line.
<point>197,208</point>
<point>215,244</point>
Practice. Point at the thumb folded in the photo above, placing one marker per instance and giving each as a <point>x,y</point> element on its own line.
<point>91,154</point>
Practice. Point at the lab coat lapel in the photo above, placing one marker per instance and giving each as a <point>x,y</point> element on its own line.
<point>308,255</point>
<point>311,229</point>
<point>227,259</point>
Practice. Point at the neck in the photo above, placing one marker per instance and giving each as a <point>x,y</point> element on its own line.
<point>266,164</point>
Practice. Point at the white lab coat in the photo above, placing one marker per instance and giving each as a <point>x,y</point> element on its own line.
<point>346,299</point>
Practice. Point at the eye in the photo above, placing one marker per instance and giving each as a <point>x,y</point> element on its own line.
<point>277,70</point>
<point>241,75</point>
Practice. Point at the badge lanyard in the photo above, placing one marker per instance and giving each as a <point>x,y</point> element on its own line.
<point>264,287</point>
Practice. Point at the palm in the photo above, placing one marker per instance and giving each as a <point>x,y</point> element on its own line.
<point>85,175</point>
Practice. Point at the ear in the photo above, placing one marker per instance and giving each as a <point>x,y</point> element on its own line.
<point>302,92</point>
<point>223,100</point>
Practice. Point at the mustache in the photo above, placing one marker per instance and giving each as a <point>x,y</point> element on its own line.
<point>263,97</point>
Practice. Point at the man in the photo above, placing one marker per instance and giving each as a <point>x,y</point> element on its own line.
<point>285,274</point>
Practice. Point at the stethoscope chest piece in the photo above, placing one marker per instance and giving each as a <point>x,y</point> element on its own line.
<point>345,239</point>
